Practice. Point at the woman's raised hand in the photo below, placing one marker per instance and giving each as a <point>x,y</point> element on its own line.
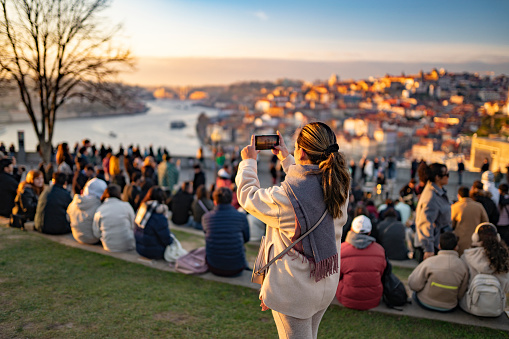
<point>249,152</point>
<point>281,151</point>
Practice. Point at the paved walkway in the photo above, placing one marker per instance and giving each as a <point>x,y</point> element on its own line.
<point>411,310</point>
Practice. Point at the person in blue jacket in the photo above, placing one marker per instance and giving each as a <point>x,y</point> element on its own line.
<point>151,229</point>
<point>226,231</point>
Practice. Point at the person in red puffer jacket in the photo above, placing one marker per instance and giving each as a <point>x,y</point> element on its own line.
<point>362,265</point>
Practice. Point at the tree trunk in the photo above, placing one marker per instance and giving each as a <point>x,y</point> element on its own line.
<point>45,151</point>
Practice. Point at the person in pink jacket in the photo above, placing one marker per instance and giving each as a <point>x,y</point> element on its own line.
<point>300,286</point>
<point>362,266</point>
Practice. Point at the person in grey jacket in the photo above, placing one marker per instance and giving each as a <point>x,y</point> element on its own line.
<point>81,211</point>
<point>433,213</point>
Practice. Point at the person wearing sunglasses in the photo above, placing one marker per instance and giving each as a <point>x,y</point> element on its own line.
<point>433,213</point>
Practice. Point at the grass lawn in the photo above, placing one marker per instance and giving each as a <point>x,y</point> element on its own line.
<point>48,290</point>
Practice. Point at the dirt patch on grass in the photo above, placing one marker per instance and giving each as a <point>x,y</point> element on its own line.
<point>58,326</point>
<point>174,317</point>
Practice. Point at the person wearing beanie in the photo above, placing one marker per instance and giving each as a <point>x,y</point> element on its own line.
<point>441,281</point>
<point>362,265</point>
<point>487,179</point>
<point>81,211</point>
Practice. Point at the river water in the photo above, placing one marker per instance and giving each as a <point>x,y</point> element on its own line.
<point>151,128</point>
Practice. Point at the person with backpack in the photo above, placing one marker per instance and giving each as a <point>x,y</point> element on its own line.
<point>441,281</point>
<point>488,265</point>
<point>503,209</point>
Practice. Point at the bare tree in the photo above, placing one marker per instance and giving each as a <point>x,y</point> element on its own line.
<point>54,50</point>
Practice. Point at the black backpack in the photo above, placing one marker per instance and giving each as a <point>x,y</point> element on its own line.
<point>394,293</point>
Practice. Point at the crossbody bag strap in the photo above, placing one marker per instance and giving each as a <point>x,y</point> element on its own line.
<point>203,207</point>
<point>293,244</point>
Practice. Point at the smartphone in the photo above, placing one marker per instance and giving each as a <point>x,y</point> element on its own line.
<point>264,142</point>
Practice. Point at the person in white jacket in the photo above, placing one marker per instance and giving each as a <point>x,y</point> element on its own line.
<point>300,286</point>
<point>114,222</point>
<point>81,211</point>
<point>487,179</point>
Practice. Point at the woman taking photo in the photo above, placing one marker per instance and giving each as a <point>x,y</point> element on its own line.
<point>433,213</point>
<point>300,286</point>
<point>27,196</point>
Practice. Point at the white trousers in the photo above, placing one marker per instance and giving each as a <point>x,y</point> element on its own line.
<point>295,328</point>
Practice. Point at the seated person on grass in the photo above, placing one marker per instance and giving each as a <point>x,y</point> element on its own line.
<point>51,213</point>
<point>82,209</point>
<point>441,281</point>
<point>114,222</point>
<point>226,231</point>
<point>362,265</point>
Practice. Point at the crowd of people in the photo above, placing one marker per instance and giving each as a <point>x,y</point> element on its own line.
<point>123,201</point>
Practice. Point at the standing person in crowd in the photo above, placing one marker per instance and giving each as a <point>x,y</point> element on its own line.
<point>413,170</point>
<point>487,179</point>
<point>199,177</point>
<point>114,222</point>
<point>391,168</point>
<point>132,192</point>
<point>461,169</point>
<point>362,265</point>
<point>80,177</point>
<point>180,205</point>
<point>226,232</point>
<point>167,174</point>
<point>81,211</point>
<point>362,165</point>
<point>488,255</point>
<point>223,177</point>
<point>106,164</point>
<point>51,215</point>
<point>117,175</point>
<point>433,213</point>
<point>317,181</point>
<point>62,158</point>
<point>477,193</point>
<point>201,205</point>
<point>353,169</point>
<point>485,165</point>
<point>392,236</point>
<point>151,231</point>
<point>25,203</point>
<point>8,187</point>
<point>200,156</point>
<point>441,281</point>
<point>408,192</point>
<point>466,214</point>
<point>503,208</point>
<point>369,170</point>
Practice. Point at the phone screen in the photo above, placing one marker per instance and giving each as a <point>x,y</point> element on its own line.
<point>264,142</point>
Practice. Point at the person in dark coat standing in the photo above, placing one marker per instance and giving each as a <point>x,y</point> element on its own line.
<point>199,178</point>
<point>51,214</point>
<point>226,232</point>
<point>8,187</point>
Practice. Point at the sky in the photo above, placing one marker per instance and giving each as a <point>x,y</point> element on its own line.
<point>207,42</point>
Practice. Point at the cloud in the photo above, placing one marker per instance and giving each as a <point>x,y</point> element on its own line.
<point>261,15</point>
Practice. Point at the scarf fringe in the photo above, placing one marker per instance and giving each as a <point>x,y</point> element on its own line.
<point>324,268</point>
